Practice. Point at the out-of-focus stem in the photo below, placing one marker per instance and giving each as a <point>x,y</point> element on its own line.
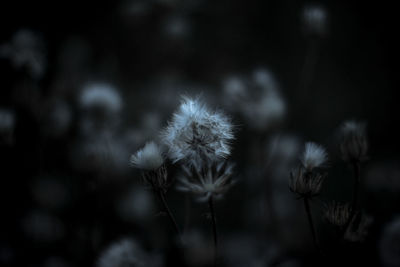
<point>170,215</point>
<point>215,233</point>
<point>311,223</point>
<point>356,189</point>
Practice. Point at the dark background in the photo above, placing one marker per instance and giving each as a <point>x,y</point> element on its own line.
<point>354,78</point>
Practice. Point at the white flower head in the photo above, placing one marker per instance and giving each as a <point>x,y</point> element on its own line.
<point>354,143</point>
<point>257,98</point>
<point>148,158</point>
<point>127,252</point>
<point>315,20</point>
<point>208,181</point>
<point>314,156</point>
<point>196,132</point>
<point>101,95</point>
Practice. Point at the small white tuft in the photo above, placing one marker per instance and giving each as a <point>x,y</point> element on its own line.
<point>314,156</point>
<point>100,95</point>
<point>195,132</point>
<point>315,20</point>
<point>148,158</point>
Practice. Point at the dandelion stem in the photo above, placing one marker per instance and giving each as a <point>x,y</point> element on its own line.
<point>170,215</point>
<point>310,222</point>
<point>356,189</point>
<point>214,223</point>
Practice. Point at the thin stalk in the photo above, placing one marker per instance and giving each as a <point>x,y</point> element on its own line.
<point>170,215</point>
<point>311,223</point>
<point>187,213</point>
<point>215,233</point>
<point>356,189</point>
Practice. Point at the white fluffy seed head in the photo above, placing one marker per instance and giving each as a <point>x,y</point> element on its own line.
<point>148,158</point>
<point>100,95</point>
<point>196,132</point>
<point>314,156</point>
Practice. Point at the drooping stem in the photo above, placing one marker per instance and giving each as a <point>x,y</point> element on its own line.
<point>214,225</point>
<point>311,223</point>
<point>170,215</point>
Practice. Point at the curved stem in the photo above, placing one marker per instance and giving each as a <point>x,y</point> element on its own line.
<point>170,215</point>
<point>215,233</point>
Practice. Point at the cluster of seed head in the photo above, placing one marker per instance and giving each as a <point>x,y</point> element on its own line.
<point>199,139</point>
<point>196,133</point>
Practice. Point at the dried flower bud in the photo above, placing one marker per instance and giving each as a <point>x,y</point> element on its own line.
<point>357,230</point>
<point>211,180</point>
<point>337,214</point>
<point>305,184</point>
<point>354,142</point>
<point>314,156</point>
<point>150,159</point>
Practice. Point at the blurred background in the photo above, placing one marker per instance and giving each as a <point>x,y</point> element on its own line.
<point>86,84</point>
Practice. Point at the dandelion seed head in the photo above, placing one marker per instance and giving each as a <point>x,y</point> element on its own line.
<point>314,156</point>
<point>195,131</point>
<point>148,158</point>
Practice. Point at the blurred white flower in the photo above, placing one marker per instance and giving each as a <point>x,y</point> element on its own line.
<point>26,49</point>
<point>314,156</point>
<point>196,132</point>
<point>128,252</point>
<point>256,98</point>
<point>148,158</point>
<point>103,96</point>
<point>354,143</point>
<point>176,27</point>
<point>315,20</point>
<point>137,205</point>
<point>43,227</point>
<point>389,244</point>
<point>102,153</point>
<point>7,126</point>
<point>7,121</point>
<point>57,118</point>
